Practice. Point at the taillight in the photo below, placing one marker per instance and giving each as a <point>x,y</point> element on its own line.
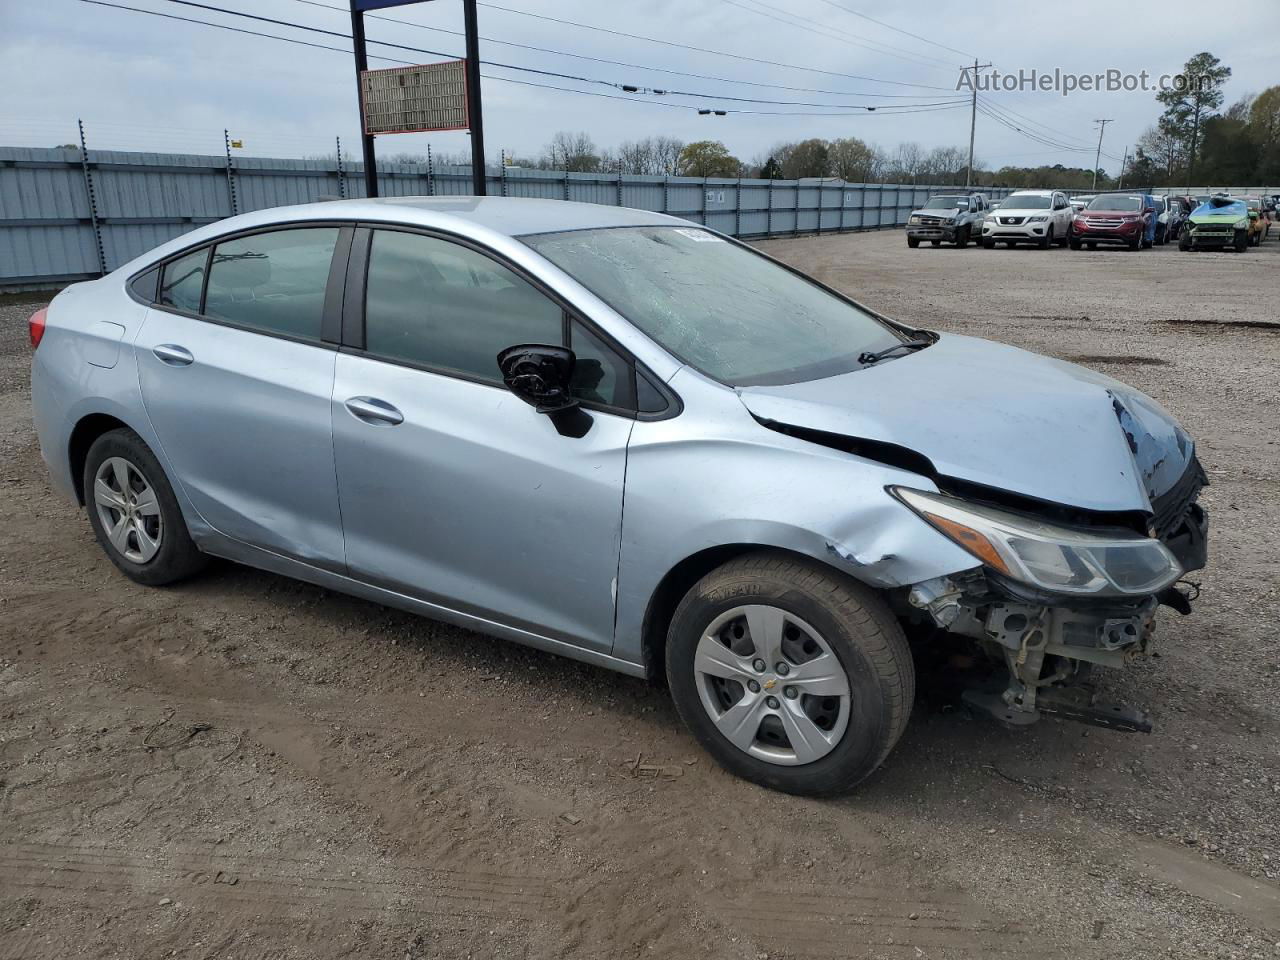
<point>35,326</point>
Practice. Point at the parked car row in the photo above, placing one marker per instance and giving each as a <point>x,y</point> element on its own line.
<point>1134,220</point>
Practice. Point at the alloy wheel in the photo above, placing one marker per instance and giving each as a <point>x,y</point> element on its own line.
<point>128,510</point>
<point>772,685</point>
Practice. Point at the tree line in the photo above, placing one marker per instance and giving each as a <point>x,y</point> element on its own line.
<point>1193,141</point>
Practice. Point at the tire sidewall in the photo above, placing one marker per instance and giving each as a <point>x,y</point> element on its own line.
<point>864,742</point>
<point>173,557</point>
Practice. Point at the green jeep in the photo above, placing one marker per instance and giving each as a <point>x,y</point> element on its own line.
<point>1221,222</point>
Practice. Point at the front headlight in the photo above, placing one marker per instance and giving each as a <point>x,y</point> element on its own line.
<point>989,218</point>
<point>1056,558</point>
<point>950,220</point>
<point>913,219</point>
<point>1242,224</point>
<point>1038,218</point>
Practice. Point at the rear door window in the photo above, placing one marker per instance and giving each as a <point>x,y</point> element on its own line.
<point>274,282</point>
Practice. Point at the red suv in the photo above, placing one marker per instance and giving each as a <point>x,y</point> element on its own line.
<point>1113,218</point>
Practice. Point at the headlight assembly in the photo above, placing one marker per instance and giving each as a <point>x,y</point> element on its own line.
<point>1242,224</point>
<point>1038,218</point>
<point>1059,559</point>
<point>913,219</point>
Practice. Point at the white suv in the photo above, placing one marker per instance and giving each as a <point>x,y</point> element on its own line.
<point>1029,216</point>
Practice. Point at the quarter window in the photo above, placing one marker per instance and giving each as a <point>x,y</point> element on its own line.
<point>440,304</point>
<point>274,281</point>
<point>600,375</point>
<point>184,280</point>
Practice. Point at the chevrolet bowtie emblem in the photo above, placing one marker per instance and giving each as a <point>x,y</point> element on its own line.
<point>770,683</point>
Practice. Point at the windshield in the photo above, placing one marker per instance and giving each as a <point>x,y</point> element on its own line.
<point>1229,208</point>
<point>723,308</point>
<point>1026,201</point>
<point>946,203</point>
<point>1114,202</point>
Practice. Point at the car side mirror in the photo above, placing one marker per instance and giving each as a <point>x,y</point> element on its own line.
<point>540,375</point>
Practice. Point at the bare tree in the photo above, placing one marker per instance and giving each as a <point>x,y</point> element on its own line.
<point>575,152</point>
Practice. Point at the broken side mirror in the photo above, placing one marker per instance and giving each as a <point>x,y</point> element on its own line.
<point>540,375</point>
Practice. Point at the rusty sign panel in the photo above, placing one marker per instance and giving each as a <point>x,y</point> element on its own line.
<point>415,99</point>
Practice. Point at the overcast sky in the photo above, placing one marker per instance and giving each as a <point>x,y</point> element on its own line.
<point>142,82</point>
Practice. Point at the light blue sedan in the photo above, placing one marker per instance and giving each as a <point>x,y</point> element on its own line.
<point>628,439</point>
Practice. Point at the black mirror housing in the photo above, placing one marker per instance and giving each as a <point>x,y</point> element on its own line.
<point>539,374</point>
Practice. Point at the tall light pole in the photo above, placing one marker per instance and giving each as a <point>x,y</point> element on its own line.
<point>1097,157</point>
<point>973,118</point>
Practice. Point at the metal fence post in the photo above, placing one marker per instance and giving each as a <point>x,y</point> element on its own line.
<point>737,209</point>
<point>619,181</point>
<point>431,174</point>
<point>768,228</point>
<point>566,181</point>
<point>342,177</point>
<point>502,158</point>
<point>704,201</point>
<point>666,192</point>
<point>821,184</point>
<point>231,177</point>
<point>844,199</point>
<point>93,202</point>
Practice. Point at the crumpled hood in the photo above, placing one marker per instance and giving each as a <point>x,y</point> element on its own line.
<point>940,212</point>
<point>999,416</point>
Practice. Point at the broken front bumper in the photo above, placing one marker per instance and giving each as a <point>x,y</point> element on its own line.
<point>1049,643</point>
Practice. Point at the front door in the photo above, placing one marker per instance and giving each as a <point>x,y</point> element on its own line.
<point>238,385</point>
<point>452,489</point>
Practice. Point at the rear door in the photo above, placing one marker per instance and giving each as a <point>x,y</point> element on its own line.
<point>237,377</point>
<point>453,490</point>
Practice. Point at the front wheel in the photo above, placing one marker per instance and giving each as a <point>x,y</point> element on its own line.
<point>1046,240</point>
<point>789,673</point>
<point>1242,241</point>
<point>913,242</point>
<point>1075,244</point>
<point>1184,240</point>
<point>988,243</point>
<point>962,238</point>
<point>134,513</point>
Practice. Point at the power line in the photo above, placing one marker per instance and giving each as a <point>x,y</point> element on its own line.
<point>988,110</point>
<point>889,26</point>
<point>843,110</point>
<point>716,53</point>
<point>804,23</point>
<point>624,63</point>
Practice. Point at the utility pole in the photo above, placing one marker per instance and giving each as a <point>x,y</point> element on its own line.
<point>474,114</point>
<point>1097,157</point>
<point>1124,162</point>
<point>366,138</point>
<point>973,118</point>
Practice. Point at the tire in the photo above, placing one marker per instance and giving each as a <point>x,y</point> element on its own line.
<point>1047,240</point>
<point>152,545</point>
<point>1091,245</point>
<point>1184,241</point>
<point>1075,244</point>
<point>935,243</point>
<point>1242,241</point>
<point>988,243</point>
<point>1011,244</point>
<point>913,242</point>
<point>813,608</point>
<point>1161,238</point>
<point>1255,240</point>
<point>962,238</point>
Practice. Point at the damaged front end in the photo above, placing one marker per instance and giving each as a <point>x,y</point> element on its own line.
<point>1050,602</point>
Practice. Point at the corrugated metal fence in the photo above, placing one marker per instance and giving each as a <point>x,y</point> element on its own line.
<point>64,216</point>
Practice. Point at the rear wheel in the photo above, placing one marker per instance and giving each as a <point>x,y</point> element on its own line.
<point>934,243</point>
<point>790,674</point>
<point>988,243</point>
<point>1075,244</point>
<point>134,513</point>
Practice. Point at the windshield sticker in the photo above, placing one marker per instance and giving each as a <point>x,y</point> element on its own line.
<point>700,235</point>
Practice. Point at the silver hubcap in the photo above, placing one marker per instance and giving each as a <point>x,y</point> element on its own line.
<point>128,508</point>
<point>772,685</point>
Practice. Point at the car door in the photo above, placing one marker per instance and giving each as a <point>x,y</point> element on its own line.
<point>237,381</point>
<point>453,490</point>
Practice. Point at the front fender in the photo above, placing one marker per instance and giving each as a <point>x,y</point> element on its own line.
<point>716,477</point>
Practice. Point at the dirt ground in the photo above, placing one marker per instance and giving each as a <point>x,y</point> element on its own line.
<point>248,767</point>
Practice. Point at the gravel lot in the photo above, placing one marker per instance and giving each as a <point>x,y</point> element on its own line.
<point>248,767</point>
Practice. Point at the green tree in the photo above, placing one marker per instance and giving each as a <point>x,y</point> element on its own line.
<point>707,158</point>
<point>808,158</point>
<point>772,170</point>
<point>850,159</point>
<point>1195,95</point>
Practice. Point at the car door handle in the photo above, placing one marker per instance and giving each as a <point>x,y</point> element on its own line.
<point>173,354</point>
<point>375,411</point>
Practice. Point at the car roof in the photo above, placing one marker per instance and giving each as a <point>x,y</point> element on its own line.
<point>510,216</point>
<point>1036,193</point>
